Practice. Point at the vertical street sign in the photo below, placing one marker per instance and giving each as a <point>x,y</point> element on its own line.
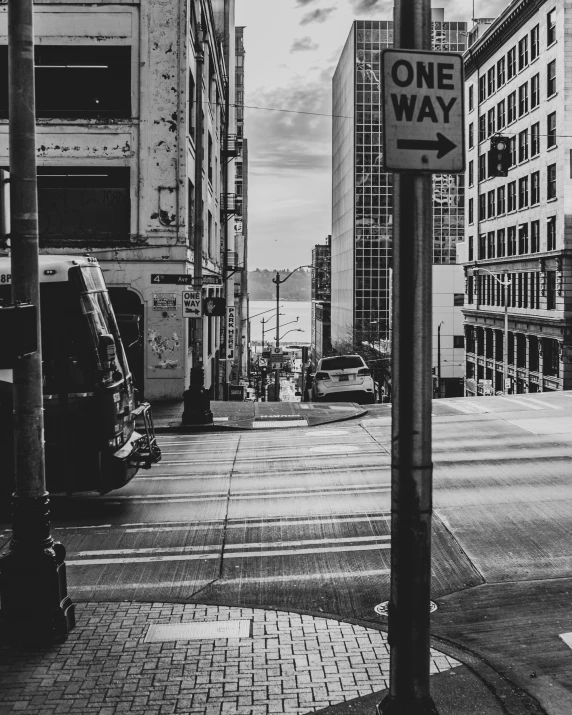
<point>422,111</point>
<point>192,304</point>
<point>230,331</point>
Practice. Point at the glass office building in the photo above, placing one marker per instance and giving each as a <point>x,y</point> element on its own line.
<point>362,209</point>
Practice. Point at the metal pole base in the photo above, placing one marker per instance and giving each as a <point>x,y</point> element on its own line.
<point>197,401</point>
<point>391,705</point>
<point>35,608</point>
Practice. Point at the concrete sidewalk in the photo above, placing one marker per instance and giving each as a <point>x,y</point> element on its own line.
<point>158,658</point>
<point>256,415</point>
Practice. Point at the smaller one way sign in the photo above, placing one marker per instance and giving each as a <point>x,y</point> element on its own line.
<point>423,111</point>
<point>192,304</point>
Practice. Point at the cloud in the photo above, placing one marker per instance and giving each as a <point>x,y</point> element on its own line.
<point>303,44</point>
<point>303,3</point>
<point>383,8</point>
<point>318,15</point>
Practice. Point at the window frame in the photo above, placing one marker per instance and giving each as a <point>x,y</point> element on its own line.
<point>551,78</point>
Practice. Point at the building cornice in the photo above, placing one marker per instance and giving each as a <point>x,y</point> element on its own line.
<point>496,36</point>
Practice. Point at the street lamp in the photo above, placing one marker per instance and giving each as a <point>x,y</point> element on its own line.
<point>505,284</point>
<point>293,330</point>
<point>278,283</point>
<point>267,321</point>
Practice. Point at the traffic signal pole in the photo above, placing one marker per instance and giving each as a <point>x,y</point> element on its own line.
<point>411,465</point>
<point>35,607</point>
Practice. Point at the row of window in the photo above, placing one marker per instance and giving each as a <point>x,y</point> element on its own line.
<point>514,240</point>
<point>515,195</point>
<point>516,290</point>
<point>505,112</point>
<point>506,67</point>
<point>542,354</point>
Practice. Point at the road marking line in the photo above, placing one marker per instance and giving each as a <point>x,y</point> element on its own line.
<point>238,555</point>
<point>469,408</point>
<point>317,576</point>
<point>250,545</point>
<point>540,402</point>
<point>334,448</point>
<point>567,638</point>
<point>520,402</point>
<point>220,419</point>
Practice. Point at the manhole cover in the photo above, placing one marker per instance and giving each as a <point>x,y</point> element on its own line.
<point>382,608</point>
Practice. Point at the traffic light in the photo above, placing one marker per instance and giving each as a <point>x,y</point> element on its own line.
<point>499,156</point>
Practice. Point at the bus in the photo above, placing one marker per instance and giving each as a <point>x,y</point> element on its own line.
<point>96,434</point>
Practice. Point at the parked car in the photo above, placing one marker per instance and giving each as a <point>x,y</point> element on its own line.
<point>343,378</point>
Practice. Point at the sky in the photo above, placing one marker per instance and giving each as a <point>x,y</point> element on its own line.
<point>292,49</point>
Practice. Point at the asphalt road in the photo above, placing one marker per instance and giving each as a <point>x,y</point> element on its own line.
<point>299,519</point>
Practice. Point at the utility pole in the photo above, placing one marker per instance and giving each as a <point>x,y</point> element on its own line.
<point>197,403</point>
<point>411,466</point>
<point>35,606</point>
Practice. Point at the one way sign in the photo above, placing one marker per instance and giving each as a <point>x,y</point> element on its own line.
<point>192,304</point>
<point>423,112</point>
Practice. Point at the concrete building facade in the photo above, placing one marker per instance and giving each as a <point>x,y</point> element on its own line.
<point>362,197</point>
<point>518,226</point>
<point>117,111</point>
<point>321,344</point>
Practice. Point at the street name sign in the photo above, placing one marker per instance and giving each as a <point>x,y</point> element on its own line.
<point>422,103</point>
<point>192,301</point>
<point>183,279</point>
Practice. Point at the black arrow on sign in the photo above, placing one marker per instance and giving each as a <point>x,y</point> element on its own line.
<point>195,312</point>
<point>441,144</point>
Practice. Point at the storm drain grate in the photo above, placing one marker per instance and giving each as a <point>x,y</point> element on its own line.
<point>196,631</point>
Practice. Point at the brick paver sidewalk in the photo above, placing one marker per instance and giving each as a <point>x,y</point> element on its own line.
<point>283,663</point>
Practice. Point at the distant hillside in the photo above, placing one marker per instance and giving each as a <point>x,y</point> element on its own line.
<point>261,287</point>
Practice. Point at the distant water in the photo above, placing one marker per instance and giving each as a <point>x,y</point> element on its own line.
<point>291,309</point>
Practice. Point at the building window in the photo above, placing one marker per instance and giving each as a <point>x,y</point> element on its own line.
<point>191,110</point>
<point>458,341</point>
<point>500,115</point>
<point>482,207</point>
<point>501,207</point>
<point>511,63</point>
<point>523,192</point>
<point>97,205</point>
<point>491,244</point>
<point>551,130</point>
<point>551,181</point>
<point>491,81</point>
<point>534,91</point>
<point>501,79</point>
<point>471,172</point>
<point>551,78</point>
<point>470,250</point>
<point>210,157</point>
<point>534,43</point>
<point>482,88</point>
<point>511,241</point>
<point>551,290</point>
<point>551,233</point>
<point>77,82</point>
<point>535,188</point>
<point>482,167</point>
<point>535,139</point>
<point>482,249</point>
<point>491,204</point>
<point>471,139</point>
<point>482,128</point>
<point>512,196</point>
<point>511,107</point>
<point>491,121</point>
<point>523,99</point>
<point>501,246</point>
<point>471,98</point>
<point>523,238</point>
<point>551,27</point>
<point>535,236</point>
<point>458,299</point>
<point>471,211</point>
<point>523,145</point>
<point>523,53</point>
<point>512,147</point>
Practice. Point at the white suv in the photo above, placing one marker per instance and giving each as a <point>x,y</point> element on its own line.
<point>343,378</point>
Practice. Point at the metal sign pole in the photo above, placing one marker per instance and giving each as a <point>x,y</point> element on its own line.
<point>411,506</point>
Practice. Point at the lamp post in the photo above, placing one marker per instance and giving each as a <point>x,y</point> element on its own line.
<point>293,330</point>
<point>506,285</point>
<point>278,283</point>
<point>264,322</point>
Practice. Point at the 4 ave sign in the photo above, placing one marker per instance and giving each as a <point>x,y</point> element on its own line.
<point>423,112</point>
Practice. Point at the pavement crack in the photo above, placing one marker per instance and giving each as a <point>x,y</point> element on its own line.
<point>225,523</point>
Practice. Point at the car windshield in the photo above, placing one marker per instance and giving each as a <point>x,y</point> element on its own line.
<point>343,362</point>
